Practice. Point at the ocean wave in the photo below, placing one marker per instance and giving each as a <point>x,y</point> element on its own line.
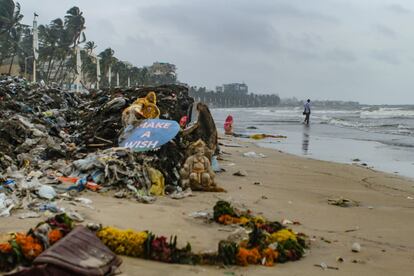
<point>397,144</point>
<point>394,128</point>
<point>387,113</point>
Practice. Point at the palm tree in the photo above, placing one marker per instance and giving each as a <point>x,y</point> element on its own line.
<point>54,45</point>
<point>26,49</point>
<point>90,46</point>
<point>75,24</point>
<point>134,73</point>
<point>15,37</point>
<point>7,15</point>
<point>107,60</point>
<point>10,29</point>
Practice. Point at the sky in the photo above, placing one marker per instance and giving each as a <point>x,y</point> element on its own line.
<point>357,50</point>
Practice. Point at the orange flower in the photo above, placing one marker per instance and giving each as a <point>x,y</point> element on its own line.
<point>31,248</point>
<point>270,256</point>
<point>247,256</point>
<point>227,219</point>
<point>5,248</point>
<point>54,236</point>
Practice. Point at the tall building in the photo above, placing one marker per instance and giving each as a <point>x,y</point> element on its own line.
<point>234,88</point>
<point>162,69</point>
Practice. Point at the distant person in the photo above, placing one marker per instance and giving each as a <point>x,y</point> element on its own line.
<point>307,111</point>
<point>228,125</point>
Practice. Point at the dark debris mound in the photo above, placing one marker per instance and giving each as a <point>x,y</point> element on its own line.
<point>39,124</point>
<point>101,116</point>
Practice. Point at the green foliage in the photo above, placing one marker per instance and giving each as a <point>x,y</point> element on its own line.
<point>257,237</point>
<point>6,15</point>
<point>227,251</point>
<point>223,208</point>
<point>57,55</point>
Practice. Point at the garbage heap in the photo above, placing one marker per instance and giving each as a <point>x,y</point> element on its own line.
<point>61,133</point>
<point>35,123</point>
<point>100,126</point>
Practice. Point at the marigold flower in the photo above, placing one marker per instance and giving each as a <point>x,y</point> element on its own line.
<point>270,256</point>
<point>124,242</point>
<point>30,247</point>
<point>54,236</point>
<point>247,256</point>
<point>283,235</point>
<point>5,248</point>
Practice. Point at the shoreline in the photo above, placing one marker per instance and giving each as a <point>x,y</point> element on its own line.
<point>352,163</point>
<point>323,141</point>
<point>291,187</point>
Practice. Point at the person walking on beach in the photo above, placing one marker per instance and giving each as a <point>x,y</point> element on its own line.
<point>307,111</point>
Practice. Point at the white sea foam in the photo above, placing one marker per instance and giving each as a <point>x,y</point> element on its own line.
<point>384,112</point>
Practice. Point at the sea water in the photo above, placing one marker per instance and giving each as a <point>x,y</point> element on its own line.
<point>381,137</point>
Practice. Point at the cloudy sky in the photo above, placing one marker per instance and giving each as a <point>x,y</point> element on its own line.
<point>361,50</point>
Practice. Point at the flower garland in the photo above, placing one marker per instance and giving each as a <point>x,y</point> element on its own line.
<point>30,246</point>
<point>268,242</point>
<point>24,248</point>
<point>54,236</point>
<point>5,248</point>
<point>123,242</point>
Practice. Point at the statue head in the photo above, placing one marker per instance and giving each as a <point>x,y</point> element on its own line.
<point>151,97</point>
<point>198,147</point>
<point>199,151</point>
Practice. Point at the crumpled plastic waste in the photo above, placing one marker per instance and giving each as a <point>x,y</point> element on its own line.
<point>47,192</point>
<point>6,205</point>
<point>253,154</point>
<point>158,182</point>
<point>181,194</point>
<point>51,207</point>
<point>29,215</point>
<point>47,133</point>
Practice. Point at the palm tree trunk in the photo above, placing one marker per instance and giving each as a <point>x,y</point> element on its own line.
<point>58,70</point>
<point>50,72</point>
<point>12,61</point>
<point>48,67</point>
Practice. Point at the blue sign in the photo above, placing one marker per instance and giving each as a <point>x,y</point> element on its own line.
<point>150,134</point>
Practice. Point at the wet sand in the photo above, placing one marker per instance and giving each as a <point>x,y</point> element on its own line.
<point>293,188</point>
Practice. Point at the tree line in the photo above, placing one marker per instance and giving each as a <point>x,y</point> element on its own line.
<point>58,42</point>
<point>226,99</point>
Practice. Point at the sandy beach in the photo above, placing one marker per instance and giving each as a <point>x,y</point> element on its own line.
<point>292,188</point>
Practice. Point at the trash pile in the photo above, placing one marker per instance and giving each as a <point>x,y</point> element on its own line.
<point>260,242</point>
<point>35,123</point>
<point>35,194</point>
<point>63,134</point>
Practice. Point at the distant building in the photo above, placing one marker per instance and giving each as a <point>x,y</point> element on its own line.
<point>233,88</point>
<point>162,69</point>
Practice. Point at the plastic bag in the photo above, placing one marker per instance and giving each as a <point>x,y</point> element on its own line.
<point>158,182</point>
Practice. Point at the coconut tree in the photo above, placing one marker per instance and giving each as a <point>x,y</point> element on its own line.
<point>7,12</point>
<point>90,46</point>
<point>75,25</point>
<point>26,49</point>
<point>54,45</point>
<point>10,29</point>
<point>134,73</point>
<point>107,60</point>
<point>15,37</point>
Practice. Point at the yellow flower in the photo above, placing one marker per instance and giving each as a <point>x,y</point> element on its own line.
<point>283,235</point>
<point>244,220</point>
<point>259,220</point>
<point>127,242</point>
